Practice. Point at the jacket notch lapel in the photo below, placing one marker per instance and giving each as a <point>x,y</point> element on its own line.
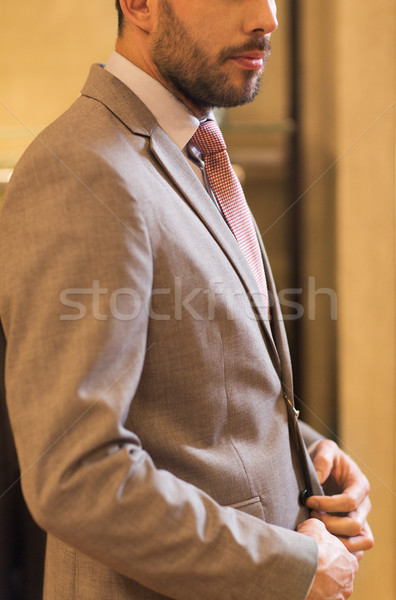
<point>168,155</point>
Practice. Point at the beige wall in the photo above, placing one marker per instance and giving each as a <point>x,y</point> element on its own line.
<point>349,88</point>
<point>366,269</point>
<point>45,51</point>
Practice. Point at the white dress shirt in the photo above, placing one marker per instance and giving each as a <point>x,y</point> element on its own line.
<point>172,115</point>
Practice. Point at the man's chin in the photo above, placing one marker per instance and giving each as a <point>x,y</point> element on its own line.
<point>220,93</point>
<point>239,98</point>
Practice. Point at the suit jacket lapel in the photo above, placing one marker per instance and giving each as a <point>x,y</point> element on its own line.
<point>185,179</point>
<point>278,326</point>
<point>120,100</point>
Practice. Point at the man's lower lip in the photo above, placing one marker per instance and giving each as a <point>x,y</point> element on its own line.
<point>246,62</point>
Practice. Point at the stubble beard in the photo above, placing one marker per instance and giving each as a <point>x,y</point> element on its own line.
<point>183,64</point>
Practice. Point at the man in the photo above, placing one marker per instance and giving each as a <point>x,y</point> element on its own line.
<point>149,393</point>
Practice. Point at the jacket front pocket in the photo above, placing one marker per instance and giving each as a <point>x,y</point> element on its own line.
<point>251,506</point>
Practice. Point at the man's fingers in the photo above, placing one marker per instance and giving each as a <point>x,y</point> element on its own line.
<point>358,555</point>
<point>344,483</point>
<point>360,543</point>
<point>323,457</point>
<point>339,526</point>
<point>346,502</point>
<point>336,568</point>
<point>348,524</point>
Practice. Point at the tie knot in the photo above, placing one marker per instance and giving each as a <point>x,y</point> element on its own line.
<point>208,139</point>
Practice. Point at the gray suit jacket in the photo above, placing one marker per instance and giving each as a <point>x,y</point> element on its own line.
<point>146,391</point>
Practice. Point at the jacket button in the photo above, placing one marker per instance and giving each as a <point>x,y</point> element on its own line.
<point>304,495</point>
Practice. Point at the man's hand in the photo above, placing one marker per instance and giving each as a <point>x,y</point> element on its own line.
<point>345,507</point>
<point>337,568</point>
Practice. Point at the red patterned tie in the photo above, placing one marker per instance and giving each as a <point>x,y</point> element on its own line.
<point>225,185</point>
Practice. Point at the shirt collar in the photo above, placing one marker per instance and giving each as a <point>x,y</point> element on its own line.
<point>172,115</point>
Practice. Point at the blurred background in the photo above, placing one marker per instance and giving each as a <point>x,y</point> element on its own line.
<point>316,155</point>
